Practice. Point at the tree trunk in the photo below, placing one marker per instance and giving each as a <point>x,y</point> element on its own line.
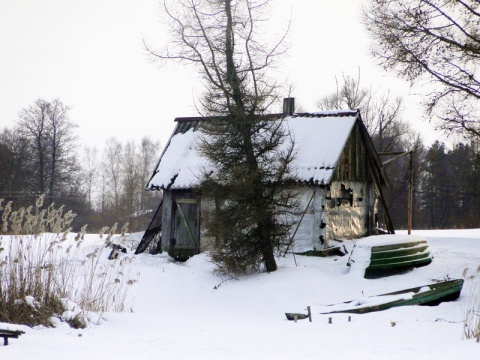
<point>53,170</point>
<point>267,247</point>
<point>244,122</point>
<point>41,165</point>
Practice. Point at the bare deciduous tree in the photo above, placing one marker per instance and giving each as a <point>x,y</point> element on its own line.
<point>52,141</point>
<point>90,168</point>
<point>131,179</point>
<point>125,170</point>
<point>149,150</point>
<point>32,125</point>
<point>61,146</point>
<point>15,169</point>
<point>435,42</point>
<point>380,112</point>
<point>112,170</point>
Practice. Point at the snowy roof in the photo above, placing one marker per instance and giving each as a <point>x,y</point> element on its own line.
<point>319,141</point>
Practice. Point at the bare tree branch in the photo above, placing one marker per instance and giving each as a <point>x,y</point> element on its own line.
<point>435,42</point>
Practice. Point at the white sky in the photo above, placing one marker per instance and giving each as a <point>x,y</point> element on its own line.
<point>90,55</point>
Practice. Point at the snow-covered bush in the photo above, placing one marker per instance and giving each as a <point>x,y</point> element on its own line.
<point>44,267</point>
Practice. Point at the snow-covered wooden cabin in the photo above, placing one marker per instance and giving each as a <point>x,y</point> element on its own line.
<point>340,180</point>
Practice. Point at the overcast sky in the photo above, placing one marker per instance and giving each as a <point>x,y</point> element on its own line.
<point>90,55</point>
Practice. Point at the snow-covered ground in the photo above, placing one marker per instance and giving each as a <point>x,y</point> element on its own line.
<point>184,311</point>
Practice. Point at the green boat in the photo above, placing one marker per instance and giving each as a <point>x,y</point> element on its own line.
<point>431,295</point>
<point>412,254</point>
<point>389,254</point>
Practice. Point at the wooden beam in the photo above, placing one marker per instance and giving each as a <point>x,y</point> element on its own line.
<point>391,153</point>
<point>398,155</point>
<point>153,228</point>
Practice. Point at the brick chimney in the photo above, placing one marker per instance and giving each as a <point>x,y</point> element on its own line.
<point>288,106</point>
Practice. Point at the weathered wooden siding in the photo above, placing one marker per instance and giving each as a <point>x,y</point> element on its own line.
<point>344,210</point>
<point>350,209</point>
<point>309,225</point>
<point>309,233</point>
<point>166,220</point>
<point>353,163</point>
<point>350,202</point>
<point>181,220</point>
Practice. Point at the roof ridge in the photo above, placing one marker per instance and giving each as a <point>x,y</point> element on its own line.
<point>333,113</point>
<point>328,113</point>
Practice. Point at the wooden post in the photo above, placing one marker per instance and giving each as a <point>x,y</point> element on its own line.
<point>410,195</point>
<point>309,314</point>
<point>410,184</point>
<point>288,106</point>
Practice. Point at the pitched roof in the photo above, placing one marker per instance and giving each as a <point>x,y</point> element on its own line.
<point>319,140</point>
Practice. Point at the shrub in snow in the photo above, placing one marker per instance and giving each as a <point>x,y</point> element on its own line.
<point>42,273</point>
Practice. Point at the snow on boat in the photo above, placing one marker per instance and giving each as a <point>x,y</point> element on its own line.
<point>376,255</point>
<point>431,295</point>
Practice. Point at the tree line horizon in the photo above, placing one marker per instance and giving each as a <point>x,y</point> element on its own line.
<point>101,186</point>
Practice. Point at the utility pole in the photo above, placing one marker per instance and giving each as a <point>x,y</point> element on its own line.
<point>410,182</point>
<point>410,194</point>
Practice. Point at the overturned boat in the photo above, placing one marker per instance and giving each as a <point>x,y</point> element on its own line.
<point>386,254</point>
<point>431,295</point>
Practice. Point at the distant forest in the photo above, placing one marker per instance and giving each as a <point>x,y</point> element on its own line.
<point>41,155</point>
<point>446,187</point>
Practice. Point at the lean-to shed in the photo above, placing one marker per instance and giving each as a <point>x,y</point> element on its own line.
<point>339,173</point>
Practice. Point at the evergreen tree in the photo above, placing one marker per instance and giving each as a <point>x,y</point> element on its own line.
<point>249,156</point>
<point>437,190</point>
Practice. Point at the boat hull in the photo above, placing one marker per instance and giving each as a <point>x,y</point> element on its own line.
<point>432,294</point>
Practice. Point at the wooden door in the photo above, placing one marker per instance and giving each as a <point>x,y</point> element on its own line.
<point>185,227</point>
